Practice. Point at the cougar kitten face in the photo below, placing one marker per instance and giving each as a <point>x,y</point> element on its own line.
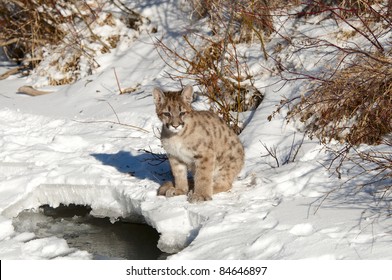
<point>172,112</point>
<point>198,141</point>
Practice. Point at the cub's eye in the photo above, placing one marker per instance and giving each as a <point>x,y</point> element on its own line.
<point>166,114</point>
<point>182,114</point>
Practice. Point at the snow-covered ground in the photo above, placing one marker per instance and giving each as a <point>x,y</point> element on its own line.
<point>86,144</point>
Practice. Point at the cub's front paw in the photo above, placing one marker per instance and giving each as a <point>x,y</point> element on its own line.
<point>167,186</point>
<point>168,189</point>
<point>196,197</point>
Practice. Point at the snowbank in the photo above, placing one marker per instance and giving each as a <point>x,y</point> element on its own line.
<point>68,147</point>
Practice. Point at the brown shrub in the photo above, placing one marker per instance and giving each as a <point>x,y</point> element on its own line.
<point>218,68</point>
<point>26,26</point>
<point>60,39</point>
<point>354,106</point>
<point>245,18</point>
<point>213,60</point>
<point>244,21</point>
<point>341,8</point>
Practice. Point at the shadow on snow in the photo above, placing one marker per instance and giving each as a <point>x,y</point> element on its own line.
<point>145,165</point>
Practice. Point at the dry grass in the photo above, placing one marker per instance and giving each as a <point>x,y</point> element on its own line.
<point>341,8</point>
<point>224,75</point>
<point>359,15</point>
<point>352,102</point>
<point>354,106</point>
<point>25,28</point>
<point>213,60</point>
<point>60,39</point>
<point>220,71</point>
<point>243,19</point>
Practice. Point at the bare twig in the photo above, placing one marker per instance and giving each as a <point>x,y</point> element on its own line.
<point>111,122</point>
<point>156,159</point>
<point>115,113</point>
<point>272,152</point>
<point>118,82</point>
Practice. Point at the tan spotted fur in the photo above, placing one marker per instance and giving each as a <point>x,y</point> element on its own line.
<point>198,141</point>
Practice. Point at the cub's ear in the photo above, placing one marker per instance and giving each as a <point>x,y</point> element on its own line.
<point>158,95</point>
<point>187,94</point>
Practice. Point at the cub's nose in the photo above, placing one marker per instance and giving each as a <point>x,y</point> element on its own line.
<point>177,125</point>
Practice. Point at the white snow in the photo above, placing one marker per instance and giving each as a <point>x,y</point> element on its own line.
<point>67,147</point>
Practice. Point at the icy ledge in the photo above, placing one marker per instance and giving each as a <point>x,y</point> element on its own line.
<point>174,220</point>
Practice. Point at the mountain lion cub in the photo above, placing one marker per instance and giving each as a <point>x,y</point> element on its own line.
<point>198,141</point>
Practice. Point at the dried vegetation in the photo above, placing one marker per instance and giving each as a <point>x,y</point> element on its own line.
<point>60,39</point>
<point>214,61</point>
<point>354,103</point>
<point>354,106</point>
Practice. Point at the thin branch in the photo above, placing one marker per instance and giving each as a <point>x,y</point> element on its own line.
<point>111,122</point>
<point>115,113</point>
<point>118,82</point>
<point>271,152</point>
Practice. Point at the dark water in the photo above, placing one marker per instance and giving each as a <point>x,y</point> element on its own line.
<point>98,236</point>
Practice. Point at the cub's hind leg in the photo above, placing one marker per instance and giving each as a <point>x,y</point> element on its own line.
<point>222,182</point>
<point>225,176</point>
